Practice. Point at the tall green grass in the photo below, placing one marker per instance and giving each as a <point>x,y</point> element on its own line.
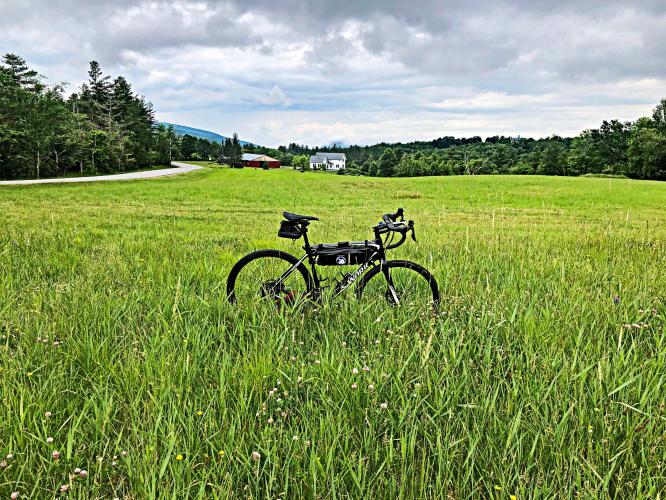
<point>529,383</point>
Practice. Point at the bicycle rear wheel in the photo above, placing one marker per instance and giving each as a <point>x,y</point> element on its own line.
<point>414,286</point>
<point>259,279</point>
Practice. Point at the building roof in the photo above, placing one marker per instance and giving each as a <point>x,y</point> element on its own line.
<point>250,156</point>
<point>257,157</point>
<point>332,156</point>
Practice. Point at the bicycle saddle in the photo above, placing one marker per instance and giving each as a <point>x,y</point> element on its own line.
<point>297,218</point>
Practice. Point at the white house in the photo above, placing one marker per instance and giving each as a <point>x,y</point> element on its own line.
<point>332,161</point>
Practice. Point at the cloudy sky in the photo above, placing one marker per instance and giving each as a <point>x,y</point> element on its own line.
<point>356,71</point>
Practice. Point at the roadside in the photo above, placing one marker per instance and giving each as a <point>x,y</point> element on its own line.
<point>177,168</point>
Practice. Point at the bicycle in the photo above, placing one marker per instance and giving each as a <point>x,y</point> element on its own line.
<point>281,279</point>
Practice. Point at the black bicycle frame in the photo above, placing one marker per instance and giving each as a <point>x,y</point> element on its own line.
<point>311,255</point>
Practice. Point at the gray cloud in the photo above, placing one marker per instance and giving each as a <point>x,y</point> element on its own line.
<point>565,39</point>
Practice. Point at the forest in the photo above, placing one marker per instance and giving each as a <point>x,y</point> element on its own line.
<point>106,127</point>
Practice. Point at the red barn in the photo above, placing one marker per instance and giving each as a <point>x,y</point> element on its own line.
<point>258,161</point>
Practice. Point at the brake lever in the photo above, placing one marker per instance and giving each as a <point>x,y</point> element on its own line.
<point>411,225</point>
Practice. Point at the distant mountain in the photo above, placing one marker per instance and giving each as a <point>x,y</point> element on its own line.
<point>197,132</point>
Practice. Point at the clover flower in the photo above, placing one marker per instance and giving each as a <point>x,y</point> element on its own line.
<point>49,440</point>
<point>55,455</point>
<point>256,456</point>
<point>383,406</point>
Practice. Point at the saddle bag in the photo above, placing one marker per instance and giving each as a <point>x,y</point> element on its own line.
<point>344,253</point>
<point>290,230</point>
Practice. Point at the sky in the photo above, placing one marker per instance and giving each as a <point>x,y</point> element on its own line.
<point>359,72</point>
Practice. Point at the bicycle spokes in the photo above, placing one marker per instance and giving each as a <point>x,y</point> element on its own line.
<point>267,281</point>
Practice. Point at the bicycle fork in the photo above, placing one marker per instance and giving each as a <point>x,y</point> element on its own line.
<point>391,288</point>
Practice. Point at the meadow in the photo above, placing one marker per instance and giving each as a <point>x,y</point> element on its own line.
<point>542,376</point>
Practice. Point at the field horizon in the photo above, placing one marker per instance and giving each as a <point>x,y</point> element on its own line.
<point>541,377</point>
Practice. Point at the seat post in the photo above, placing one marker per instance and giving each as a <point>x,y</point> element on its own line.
<point>306,242</point>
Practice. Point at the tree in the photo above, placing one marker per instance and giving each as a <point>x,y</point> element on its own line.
<point>580,157</point>
<point>647,154</point>
<point>22,75</point>
<point>552,159</point>
<point>15,157</point>
<point>98,84</point>
<point>236,158</point>
<point>301,162</point>
<point>659,116</point>
<point>387,163</point>
<point>188,146</point>
<point>227,149</point>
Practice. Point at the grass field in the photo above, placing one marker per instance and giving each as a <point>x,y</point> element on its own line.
<point>117,343</point>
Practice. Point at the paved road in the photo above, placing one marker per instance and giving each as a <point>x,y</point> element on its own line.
<point>179,168</point>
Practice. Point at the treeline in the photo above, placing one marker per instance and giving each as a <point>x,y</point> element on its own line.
<point>188,147</point>
<point>230,152</point>
<point>631,149</point>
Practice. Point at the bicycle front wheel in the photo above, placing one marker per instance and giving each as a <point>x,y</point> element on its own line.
<point>413,285</point>
<point>268,277</point>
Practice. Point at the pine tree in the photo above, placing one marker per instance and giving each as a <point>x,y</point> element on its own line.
<point>99,85</point>
<point>227,150</point>
<point>236,158</point>
<point>19,71</point>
